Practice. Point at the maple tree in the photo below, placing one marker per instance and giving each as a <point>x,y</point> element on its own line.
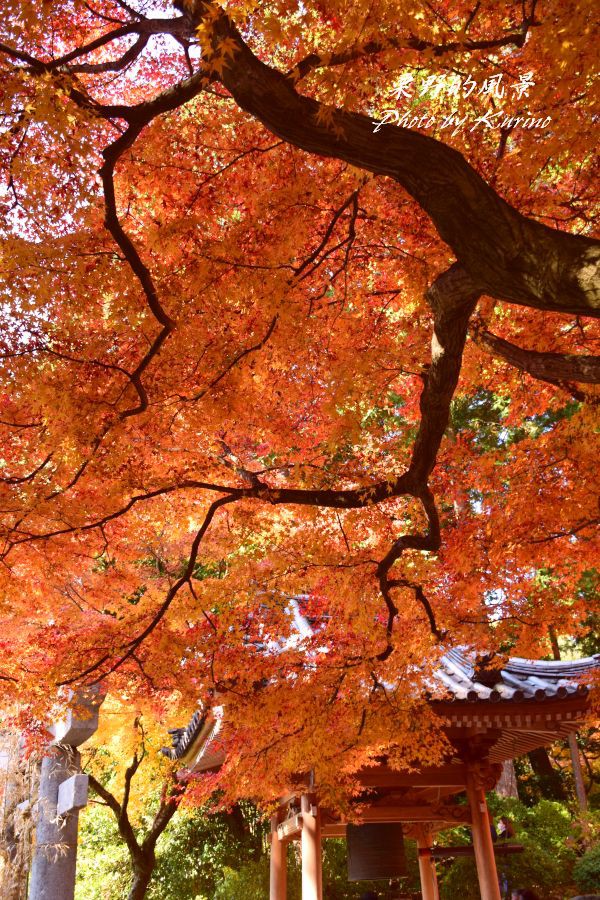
<point>125,790</point>
<point>259,346</point>
<point>142,791</point>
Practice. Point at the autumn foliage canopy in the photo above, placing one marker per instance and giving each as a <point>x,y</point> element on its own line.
<point>262,355</point>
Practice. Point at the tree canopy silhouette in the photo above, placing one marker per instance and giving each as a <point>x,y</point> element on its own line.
<point>298,301</point>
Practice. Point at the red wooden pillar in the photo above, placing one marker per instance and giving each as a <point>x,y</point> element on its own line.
<point>482,840</point>
<point>312,875</point>
<point>278,865</point>
<point>427,872</point>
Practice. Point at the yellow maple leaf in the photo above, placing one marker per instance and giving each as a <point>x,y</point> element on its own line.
<point>324,115</point>
<point>218,63</point>
<point>228,47</point>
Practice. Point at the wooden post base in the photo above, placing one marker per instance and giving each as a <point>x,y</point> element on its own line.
<point>427,872</point>
<point>312,886</point>
<point>278,865</point>
<point>482,841</point>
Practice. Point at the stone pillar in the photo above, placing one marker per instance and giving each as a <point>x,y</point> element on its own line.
<point>427,872</point>
<point>53,869</point>
<point>278,865</point>
<point>312,884</point>
<point>482,839</point>
<point>62,793</point>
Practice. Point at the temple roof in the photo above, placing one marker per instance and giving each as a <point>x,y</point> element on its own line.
<point>518,697</point>
<point>199,735</point>
<point>465,678</point>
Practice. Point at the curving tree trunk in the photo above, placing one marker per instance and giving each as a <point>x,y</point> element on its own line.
<point>141,852</point>
<point>549,778</point>
<point>143,869</point>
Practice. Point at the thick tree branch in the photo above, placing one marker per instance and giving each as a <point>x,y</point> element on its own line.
<point>555,368</point>
<point>140,114</point>
<point>23,479</point>
<point>139,861</point>
<point>452,298</point>
<point>169,803</point>
<point>111,155</point>
<point>132,769</point>
<point>422,598</point>
<point>79,96</point>
<point>411,42</point>
<point>106,795</point>
<point>123,822</point>
<point>114,65</point>
<point>507,255</point>
<point>143,28</point>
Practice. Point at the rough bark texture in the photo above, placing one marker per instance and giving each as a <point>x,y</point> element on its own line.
<point>452,298</point>
<point>142,875</point>
<point>551,367</point>
<point>549,778</point>
<point>507,783</point>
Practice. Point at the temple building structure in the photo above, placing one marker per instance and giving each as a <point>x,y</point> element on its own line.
<point>491,714</point>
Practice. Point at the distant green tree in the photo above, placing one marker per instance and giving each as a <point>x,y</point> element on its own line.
<point>198,849</point>
<point>192,854</point>
<point>546,865</point>
<point>587,870</point>
<point>103,866</point>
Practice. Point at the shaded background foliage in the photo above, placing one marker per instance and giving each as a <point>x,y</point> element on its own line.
<point>225,857</point>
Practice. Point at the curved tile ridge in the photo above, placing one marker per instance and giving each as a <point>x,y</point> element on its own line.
<point>183,738</point>
<point>464,677</point>
<point>554,668</point>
